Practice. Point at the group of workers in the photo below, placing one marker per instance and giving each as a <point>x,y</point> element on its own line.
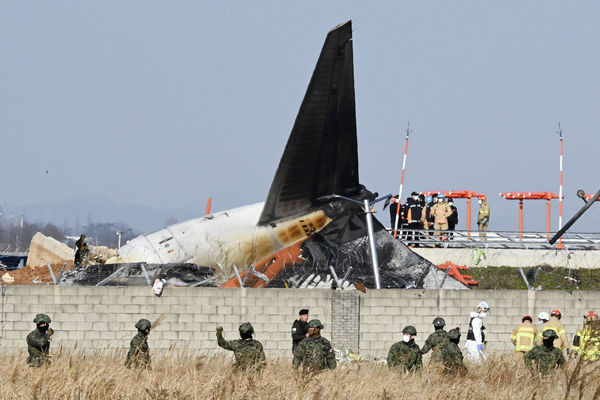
<point>540,349</point>
<point>545,346</point>
<point>436,214</point>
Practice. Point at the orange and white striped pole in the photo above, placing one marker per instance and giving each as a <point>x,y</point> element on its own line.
<point>208,204</point>
<point>399,205</point>
<point>560,190</point>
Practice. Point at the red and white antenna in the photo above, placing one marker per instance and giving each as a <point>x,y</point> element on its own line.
<point>560,190</point>
<point>401,183</point>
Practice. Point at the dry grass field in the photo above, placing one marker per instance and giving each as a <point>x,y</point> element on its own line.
<point>102,376</point>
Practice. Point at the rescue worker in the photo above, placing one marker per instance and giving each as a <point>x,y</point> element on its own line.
<point>393,210</point>
<point>554,324</point>
<point>427,216</point>
<point>523,337</point>
<point>543,317</point>
<point>450,354</point>
<point>415,211</point>
<point>586,342</point>
<point>435,339</point>
<point>314,352</point>
<point>138,355</point>
<point>475,335</point>
<point>38,341</point>
<point>403,217</point>
<point>406,354</point>
<point>81,253</point>
<point>299,329</point>
<point>249,353</point>
<point>441,211</point>
<point>483,218</point>
<point>546,357</point>
<point>453,218</point>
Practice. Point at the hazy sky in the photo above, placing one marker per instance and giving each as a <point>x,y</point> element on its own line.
<point>168,103</point>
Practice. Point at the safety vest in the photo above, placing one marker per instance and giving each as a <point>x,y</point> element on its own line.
<point>587,343</point>
<point>523,337</point>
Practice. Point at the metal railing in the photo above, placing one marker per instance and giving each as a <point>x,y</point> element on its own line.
<point>497,239</point>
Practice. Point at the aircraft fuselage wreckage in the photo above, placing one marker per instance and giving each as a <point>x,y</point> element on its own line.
<point>293,239</point>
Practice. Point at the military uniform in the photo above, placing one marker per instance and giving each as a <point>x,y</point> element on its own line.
<point>38,341</point>
<point>523,337</point>
<point>314,352</point>
<point>433,341</point>
<point>138,355</point>
<point>406,355</point>
<point>546,357</point>
<point>249,353</point>
<point>450,354</point>
<point>435,338</point>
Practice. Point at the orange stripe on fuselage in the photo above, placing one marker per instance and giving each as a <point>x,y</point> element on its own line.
<point>270,266</point>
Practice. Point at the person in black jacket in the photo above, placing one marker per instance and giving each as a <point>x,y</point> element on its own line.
<point>300,328</point>
<point>452,219</point>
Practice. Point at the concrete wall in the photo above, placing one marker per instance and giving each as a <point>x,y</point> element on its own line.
<point>104,317</point>
<point>573,259</point>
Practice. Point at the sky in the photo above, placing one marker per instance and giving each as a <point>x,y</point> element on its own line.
<point>165,104</point>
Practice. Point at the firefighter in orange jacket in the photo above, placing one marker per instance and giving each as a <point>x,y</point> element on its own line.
<point>441,211</point>
<point>523,337</point>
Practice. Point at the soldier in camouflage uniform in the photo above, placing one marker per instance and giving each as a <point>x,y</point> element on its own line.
<point>450,354</point>
<point>138,355</point>
<point>248,352</point>
<point>314,352</point>
<point>406,354</point>
<point>435,339</point>
<point>38,341</point>
<point>546,357</point>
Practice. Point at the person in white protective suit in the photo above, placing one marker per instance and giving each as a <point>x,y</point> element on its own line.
<point>475,335</point>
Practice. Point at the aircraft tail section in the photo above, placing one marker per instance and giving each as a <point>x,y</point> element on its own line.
<point>321,155</point>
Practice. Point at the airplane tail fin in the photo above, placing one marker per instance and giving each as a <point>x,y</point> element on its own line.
<point>321,155</point>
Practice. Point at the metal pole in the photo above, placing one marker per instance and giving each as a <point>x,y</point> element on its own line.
<point>560,190</point>
<point>401,183</point>
<point>237,273</point>
<point>208,204</point>
<point>521,219</point>
<point>575,217</point>
<point>369,218</point>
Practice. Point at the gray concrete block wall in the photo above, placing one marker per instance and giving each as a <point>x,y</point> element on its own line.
<point>104,317</point>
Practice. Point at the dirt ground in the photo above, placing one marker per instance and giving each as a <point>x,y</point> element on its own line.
<point>34,275</point>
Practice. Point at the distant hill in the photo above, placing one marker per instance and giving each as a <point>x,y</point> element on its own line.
<point>83,209</point>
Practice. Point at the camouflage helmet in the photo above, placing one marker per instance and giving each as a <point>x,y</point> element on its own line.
<point>246,327</point>
<point>550,334</point>
<point>454,334</point>
<point>143,324</point>
<point>41,318</point>
<point>315,323</point>
<point>410,330</point>
<point>439,322</point>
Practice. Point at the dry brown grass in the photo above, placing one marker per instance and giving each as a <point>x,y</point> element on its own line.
<point>102,376</point>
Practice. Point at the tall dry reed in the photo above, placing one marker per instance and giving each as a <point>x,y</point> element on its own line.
<point>102,375</point>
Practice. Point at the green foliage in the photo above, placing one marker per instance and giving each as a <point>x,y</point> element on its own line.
<point>548,278</point>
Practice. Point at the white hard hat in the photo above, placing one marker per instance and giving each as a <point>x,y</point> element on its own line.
<point>544,315</point>
<point>483,305</point>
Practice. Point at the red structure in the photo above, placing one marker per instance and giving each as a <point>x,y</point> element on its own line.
<point>454,271</point>
<point>460,194</point>
<point>521,196</point>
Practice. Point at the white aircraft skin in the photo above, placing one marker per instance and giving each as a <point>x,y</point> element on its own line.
<point>221,240</point>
